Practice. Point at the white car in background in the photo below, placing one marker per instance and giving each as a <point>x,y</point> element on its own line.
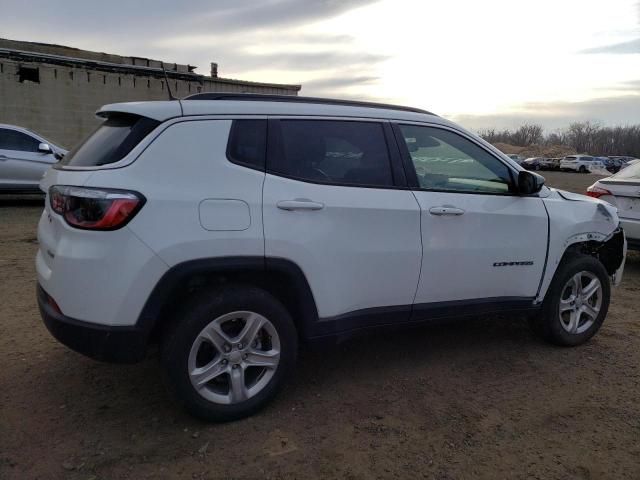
<point>24,157</point>
<point>622,190</point>
<point>580,163</point>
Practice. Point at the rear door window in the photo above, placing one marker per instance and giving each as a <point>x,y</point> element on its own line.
<point>334,152</point>
<point>112,141</point>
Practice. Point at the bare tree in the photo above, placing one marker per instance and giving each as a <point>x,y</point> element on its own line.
<point>584,137</point>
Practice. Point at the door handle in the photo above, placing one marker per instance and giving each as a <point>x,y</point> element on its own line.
<point>3,157</point>
<point>299,204</point>
<point>440,211</point>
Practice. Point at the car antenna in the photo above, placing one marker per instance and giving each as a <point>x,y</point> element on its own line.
<point>166,80</point>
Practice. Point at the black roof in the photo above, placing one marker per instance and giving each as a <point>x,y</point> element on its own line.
<point>295,99</point>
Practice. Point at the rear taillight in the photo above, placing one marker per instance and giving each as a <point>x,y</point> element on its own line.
<point>95,208</point>
<point>597,192</point>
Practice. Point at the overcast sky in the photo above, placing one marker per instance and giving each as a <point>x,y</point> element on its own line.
<point>483,63</point>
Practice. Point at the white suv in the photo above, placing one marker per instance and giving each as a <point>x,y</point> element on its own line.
<point>580,163</point>
<point>229,228</point>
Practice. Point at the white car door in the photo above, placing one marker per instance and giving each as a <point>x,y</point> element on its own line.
<point>331,205</point>
<point>21,163</point>
<point>483,243</point>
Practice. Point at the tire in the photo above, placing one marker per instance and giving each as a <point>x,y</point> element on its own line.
<point>560,328</point>
<point>582,169</point>
<point>208,324</point>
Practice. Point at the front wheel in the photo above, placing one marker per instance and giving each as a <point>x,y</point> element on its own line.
<point>582,169</point>
<point>576,303</point>
<point>229,352</point>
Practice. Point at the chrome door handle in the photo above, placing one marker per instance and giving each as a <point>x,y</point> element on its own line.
<point>3,157</point>
<point>299,204</point>
<point>446,211</point>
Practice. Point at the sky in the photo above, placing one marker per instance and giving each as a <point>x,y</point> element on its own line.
<point>485,64</point>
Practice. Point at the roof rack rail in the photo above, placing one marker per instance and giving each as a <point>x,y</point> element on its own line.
<point>260,97</point>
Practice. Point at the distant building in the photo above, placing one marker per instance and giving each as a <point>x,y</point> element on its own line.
<point>55,90</point>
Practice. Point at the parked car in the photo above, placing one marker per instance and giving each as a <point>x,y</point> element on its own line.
<point>622,190</point>
<point>231,227</point>
<point>24,157</point>
<point>533,163</point>
<point>627,161</point>
<point>517,158</point>
<point>579,163</point>
<point>551,163</point>
<point>612,164</point>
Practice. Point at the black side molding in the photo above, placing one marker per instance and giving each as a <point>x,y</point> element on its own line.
<point>350,324</point>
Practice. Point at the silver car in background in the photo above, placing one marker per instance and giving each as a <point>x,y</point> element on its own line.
<point>622,190</point>
<point>24,157</point>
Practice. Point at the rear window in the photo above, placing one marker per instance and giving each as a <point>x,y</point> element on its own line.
<point>113,139</point>
<point>632,172</point>
<point>248,143</point>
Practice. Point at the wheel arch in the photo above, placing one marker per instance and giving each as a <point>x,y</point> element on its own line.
<point>607,249</point>
<point>281,277</point>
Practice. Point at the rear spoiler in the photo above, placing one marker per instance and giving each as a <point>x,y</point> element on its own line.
<point>160,111</point>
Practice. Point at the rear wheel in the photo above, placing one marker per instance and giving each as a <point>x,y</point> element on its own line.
<point>582,169</point>
<point>229,352</point>
<point>576,303</point>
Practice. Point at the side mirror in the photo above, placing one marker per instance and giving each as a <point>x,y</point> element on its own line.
<point>529,182</point>
<point>44,148</point>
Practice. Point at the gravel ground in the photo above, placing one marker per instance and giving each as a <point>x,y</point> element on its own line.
<point>470,399</point>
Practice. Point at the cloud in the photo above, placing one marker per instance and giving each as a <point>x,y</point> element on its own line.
<point>237,15</point>
<point>621,109</point>
<point>309,61</point>
<point>165,16</point>
<point>629,47</point>
<point>247,39</point>
<point>332,83</point>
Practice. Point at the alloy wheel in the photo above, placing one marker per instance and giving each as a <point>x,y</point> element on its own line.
<point>234,357</point>
<point>580,302</point>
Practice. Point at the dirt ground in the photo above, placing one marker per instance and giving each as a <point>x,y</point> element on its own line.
<point>471,399</point>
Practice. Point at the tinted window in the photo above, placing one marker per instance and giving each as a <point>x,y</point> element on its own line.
<point>13,140</point>
<point>248,143</point>
<point>113,139</point>
<point>444,160</point>
<point>338,152</point>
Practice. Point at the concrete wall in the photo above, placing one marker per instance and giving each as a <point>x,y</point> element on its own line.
<point>61,106</point>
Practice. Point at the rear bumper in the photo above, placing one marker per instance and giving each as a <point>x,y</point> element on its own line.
<point>118,344</point>
<point>632,232</point>
<point>633,244</point>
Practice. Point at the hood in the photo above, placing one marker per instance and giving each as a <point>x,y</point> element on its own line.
<point>575,197</point>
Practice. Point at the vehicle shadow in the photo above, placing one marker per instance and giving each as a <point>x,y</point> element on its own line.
<point>109,390</point>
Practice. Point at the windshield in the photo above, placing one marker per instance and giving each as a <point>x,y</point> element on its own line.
<point>112,140</point>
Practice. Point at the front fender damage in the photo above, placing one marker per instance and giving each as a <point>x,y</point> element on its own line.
<point>581,224</point>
